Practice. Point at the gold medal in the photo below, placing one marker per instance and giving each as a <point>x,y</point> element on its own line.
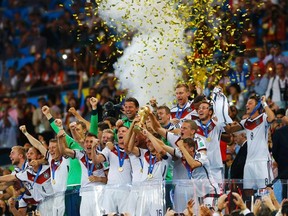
<point>208,139</point>
<point>141,170</point>
<point>120,169</point>
<point>53,182</point>
<point>150,176</point>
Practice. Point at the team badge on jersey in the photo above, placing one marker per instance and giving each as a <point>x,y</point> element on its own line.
<point>46,175</point>
<point>210,127</point>
<point>98,166</point>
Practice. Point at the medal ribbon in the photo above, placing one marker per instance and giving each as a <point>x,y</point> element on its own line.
<point>141,163</point>
<point>54,167</point>
<point>21,184</point>
<point>189,170</point>
<point>89,168</point>
<point>205,127</point>
<point>167,126</point>
<point>23,166</point>
<point>20,197</point>
<point>255,108</point>
<point>151,163</point>
<point>178,115</point>
<point>121,159</point>
<point>37,175</point>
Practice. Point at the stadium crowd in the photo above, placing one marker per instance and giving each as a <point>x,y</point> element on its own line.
<point>101,154</point>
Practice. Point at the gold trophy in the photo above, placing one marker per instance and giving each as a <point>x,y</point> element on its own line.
<point>143,113</point>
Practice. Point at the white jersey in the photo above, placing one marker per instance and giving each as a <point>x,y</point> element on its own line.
<point>180,169</point>
<point>18,169</point>
<point>137,168</point>
<point>201,174</point>
<point>211,134</point>
<point>88,168</point>
<point>38,183</point>
<point>24,198</point>
<point>187,112</point>
<point>116,160</point>
<point>257,138</point>
<point>154,169</point>
<point>59,173</point>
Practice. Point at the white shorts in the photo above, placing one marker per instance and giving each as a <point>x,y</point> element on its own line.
<point>183,191</point>
<point>91,201</point>
<point>59,205</point>
<point>46,206</point>
<point>133,200</point>
<point>115,199</point>
<point>151,199</point>
<point>257,174</point>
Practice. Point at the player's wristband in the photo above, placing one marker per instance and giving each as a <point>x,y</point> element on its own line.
<point>264,104</point>
<point>245,211</point>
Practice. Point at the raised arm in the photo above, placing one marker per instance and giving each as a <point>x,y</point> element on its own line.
<point>94,116</point>
<point>129,139</point>
<point>8,178</point>
<point>268,111</point>
<point>156,125</point>
<point>74,112</point>
<point>233,127</point>
<point>61,136</point>
<point>34,142</point>
<point>155,142</point>
<point>190,160</point>
<point>131,145</point>
<point>14,210</point>
<point>46,111</point>
<point>96,158</point>
<point>57,126</point>
<point>170,150</point>
<point>78,137</point>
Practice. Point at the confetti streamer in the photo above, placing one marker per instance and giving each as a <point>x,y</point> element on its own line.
<point>150,65</point>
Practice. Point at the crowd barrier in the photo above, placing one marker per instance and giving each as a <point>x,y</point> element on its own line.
<point>155,197</point>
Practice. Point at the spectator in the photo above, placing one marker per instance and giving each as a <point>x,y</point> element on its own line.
<point>273,90</point>
<point>237,167</point>
<point>8,134</point>
<point>279,149</point>
<point>236,96</point>
<point>260,82</point>
<point>283,84</point>
<point>240,74</point>
<point>276,54</point>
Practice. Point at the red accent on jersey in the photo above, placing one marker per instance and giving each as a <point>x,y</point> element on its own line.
<point>187,110</point>
<point>147,155</point>
<point>30,201</point>
<point>83,160</point>
<point>43,177</point>
<point>193,117</point>
<point>121,153</point>
<point>250,125</point>
<point>57,164</point>
<point>177,141</point>
<point>201,132</point>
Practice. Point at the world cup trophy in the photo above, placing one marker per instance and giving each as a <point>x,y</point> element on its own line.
<point>143,113</point>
